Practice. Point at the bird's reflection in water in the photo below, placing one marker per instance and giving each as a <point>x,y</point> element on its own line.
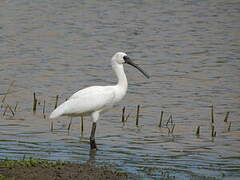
<point>92,157</point>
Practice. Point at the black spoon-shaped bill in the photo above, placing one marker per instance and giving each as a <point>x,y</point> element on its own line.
<point>130,62</point>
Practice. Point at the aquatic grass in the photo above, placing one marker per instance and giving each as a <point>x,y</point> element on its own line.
<point>213,133</point>
<point>124,117</point>
<point>173,127</point>
<point>35,101</point>
<point>212,114</point>
<point>226,117</point>
<point>7,106</point>
<point>123,114</point>
<point>82,124</point>
<point>15,107</point>
<point>169,124</point>
<point>161,118</point>
<point>169,131</point>
<point>198,131</point>
<point>4,112</point>
<point>7,92</point>
<point>69,125</point>
<point>10,108</point>
<point>137,116</point>
<point>229,126</point>
<point>51,126</point>
<point>170,119</point>
<point>127,117</point>
<point>44,104</point>
<point>56,101</point>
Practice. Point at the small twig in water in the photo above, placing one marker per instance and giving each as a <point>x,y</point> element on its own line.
<point>226,117</point>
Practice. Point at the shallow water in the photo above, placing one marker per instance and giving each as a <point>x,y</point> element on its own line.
<point>190,48</point>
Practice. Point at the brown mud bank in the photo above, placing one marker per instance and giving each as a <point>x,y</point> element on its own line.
<point>41,169</point>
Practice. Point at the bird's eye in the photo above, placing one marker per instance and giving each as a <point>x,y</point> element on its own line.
<point>126,58</point>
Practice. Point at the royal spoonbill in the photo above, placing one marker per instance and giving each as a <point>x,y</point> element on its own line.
<point>94,100</point>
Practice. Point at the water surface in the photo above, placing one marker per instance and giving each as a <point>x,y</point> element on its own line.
<point>191,50</point>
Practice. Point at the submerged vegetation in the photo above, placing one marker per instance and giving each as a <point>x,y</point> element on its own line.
<point>40,105</point>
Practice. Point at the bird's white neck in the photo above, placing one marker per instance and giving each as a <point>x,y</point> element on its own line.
<point>122,79</point>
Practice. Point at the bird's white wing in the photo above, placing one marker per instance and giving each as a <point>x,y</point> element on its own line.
<point>88,90</point>
<point>86,101</point>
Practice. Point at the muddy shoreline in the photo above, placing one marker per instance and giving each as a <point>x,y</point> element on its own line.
<point>41,169</point>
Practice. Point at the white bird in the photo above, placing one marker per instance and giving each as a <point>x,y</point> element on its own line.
<point>94,100</point>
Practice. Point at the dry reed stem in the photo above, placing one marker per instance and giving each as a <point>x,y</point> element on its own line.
<point>169,120</point>
<point>7,106</point>
<point>9,87</point>
<point>51,126</point>
<point>212,114</point>
<point>173,128</point>
<point>226,117</point>
<point>44,104</point>
<point>127,117</point>
<point>161,118</point>
<point>34,102</point>
<point>15,108</point>
<point>69,125</point>
<point>213,131</point>
<point>137,116</point>
<point>198,131</point>
<point>229,126</point>
<point>82,124</point>
<point>123,114</point>
<point>56,102</point>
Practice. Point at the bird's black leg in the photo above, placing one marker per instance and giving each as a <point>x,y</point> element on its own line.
<point>92,137</point>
